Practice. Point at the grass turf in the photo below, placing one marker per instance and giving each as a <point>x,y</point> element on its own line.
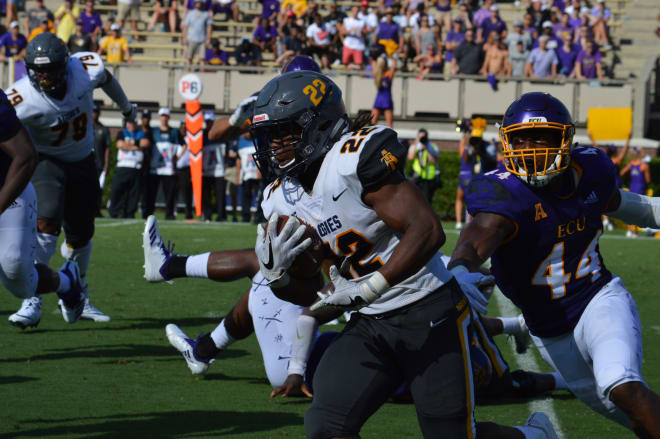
<point>122,379</point>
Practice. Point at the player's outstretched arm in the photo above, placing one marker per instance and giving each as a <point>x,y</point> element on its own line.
<point>24,160</point>
<point>635,209</point>
<point>230,128</point>
<point>114,91</point>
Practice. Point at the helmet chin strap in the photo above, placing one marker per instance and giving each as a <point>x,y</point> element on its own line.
<point>541,180</point>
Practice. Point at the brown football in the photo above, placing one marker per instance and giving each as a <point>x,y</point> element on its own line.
<point>308,263</point>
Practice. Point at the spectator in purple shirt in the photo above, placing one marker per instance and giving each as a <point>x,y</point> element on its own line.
<point>482,14</point>
<point>587,64</point>
<point>453,39</point>
<point>492,24</point>
<point>269,8</point>
<point>92,24</point>
<point>265,36</point>
<point>389,33</point>
<point>575,21</point>
<point>529,28</point>
<point>13,43</point>
<point>563,27</point>
<point>567,54</point>
<point>215,56</point>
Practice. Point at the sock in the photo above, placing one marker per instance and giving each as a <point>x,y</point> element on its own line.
<point>46,244</point>
<point>81,256</point>
<point>531,432</point>
<point>65,283</point>
<point>510,325</point>
<point>175,267</point>
<point>205,348</point>
<point>560,383</point>
<point>221,337</point>
<point>196,265</point>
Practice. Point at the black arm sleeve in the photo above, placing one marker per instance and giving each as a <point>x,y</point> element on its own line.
<point>382,156</point>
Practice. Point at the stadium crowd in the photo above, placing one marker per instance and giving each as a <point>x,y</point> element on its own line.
<point>551,38</point>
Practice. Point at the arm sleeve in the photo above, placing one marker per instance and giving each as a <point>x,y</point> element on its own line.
<point>114,91</point>
<point>382,156</point>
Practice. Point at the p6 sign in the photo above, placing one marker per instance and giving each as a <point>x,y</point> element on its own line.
<point>190,87</point>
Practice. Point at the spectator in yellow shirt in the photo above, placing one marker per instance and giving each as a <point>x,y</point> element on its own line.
<point>45,26</point>
<point>66,16</point>
<point>116,46</point>
<point>299,6</point>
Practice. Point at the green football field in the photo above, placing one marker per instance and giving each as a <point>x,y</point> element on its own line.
<point>123,379</point>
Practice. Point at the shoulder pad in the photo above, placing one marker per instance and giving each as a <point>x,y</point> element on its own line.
<point>381,155</point>
<point>93,65</point>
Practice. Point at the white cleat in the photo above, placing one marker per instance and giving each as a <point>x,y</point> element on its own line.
<point>155,252</point>
<point>90,312</point>
<point>522,338</point>
<point>186,346</point>
<point>72,302</point>
<point>28,315</point>
<point>541,421</point>
<point>459,226</point>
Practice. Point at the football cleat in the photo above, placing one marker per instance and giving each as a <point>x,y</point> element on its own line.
<point>522,338</point>
<point>72,302</point>
<point>28,315</point>
<point>90,312</point>
<point>156,254</point>
<point>541,421</point>
<point>186,346</point>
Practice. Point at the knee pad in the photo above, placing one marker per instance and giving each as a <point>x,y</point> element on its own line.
<point>19,277</point>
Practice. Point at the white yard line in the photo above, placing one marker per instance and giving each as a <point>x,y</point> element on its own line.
<point>527,361</point>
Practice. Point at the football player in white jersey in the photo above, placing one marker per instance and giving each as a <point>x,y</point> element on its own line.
<point>18,226</point>
<point>345,179</point>
<point>55,104</point>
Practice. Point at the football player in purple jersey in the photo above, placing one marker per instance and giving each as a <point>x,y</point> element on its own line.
<point>539,220</point>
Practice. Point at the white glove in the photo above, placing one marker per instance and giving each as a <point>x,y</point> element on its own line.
<point>242,112</point>
<point>276,252</point>
<point>130,114</point>
<point>102,179</point>
<point>350,295</point>
<point>470,283</point>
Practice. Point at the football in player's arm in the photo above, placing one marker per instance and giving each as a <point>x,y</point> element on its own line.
<point>547,204</point>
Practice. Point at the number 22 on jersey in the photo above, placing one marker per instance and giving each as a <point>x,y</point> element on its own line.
<point>551,271</point>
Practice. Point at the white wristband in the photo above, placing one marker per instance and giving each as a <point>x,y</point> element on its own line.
<point>377,283</point>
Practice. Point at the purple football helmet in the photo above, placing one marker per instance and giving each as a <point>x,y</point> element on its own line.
<point>301,62</point>
<point>537,138</point>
